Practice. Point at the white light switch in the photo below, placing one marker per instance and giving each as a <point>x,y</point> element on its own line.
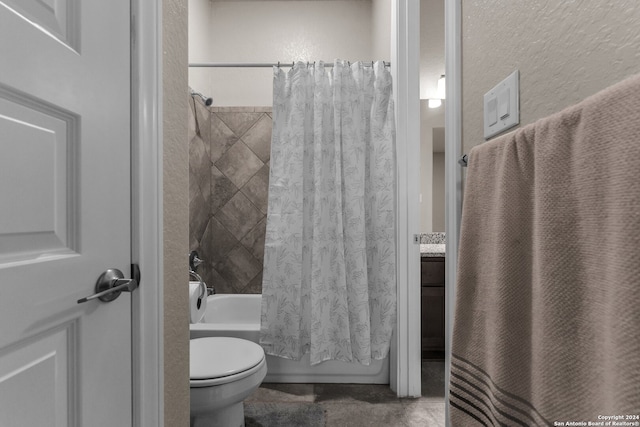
<point>503,103</point>
<point>501,106</point>
<point>492,113</point>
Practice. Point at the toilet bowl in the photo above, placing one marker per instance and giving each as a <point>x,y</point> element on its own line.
<point>224,371</point>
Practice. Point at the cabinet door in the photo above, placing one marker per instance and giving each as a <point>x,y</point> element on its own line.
<point>432,272</point>
<point>432,318</point>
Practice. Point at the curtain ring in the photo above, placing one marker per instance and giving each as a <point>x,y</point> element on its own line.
<point>278,64</point>
<point>371,64</point>
<point>293,63</point>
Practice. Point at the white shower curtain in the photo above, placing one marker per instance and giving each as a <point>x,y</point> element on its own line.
<point>329,280</point>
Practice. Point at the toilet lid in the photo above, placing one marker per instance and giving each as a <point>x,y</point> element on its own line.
<point>215,357</point>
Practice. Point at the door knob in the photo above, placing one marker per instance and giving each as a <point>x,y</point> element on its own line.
<point>111,284</point>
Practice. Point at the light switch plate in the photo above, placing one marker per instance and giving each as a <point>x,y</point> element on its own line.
<point>508,114</point>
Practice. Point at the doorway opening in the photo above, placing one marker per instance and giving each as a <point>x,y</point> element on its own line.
<point>432,197</point>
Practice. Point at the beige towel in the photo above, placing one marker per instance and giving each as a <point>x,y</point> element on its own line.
<point>547,321</point>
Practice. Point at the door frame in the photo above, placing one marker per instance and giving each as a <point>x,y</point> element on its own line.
<point>405,351</point>
<point>405,357</point>
<point>147,303</point>
<point>453,171</point>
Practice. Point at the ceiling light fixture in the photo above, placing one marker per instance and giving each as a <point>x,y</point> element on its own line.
<point>434,102</point>
<point>442,92</point>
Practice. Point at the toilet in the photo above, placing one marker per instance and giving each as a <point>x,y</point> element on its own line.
<point>224,371</point>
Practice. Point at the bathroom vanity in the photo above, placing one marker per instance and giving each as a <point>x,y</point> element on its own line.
<point>432,275</point>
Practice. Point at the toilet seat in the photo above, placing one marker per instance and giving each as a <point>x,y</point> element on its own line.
<point>220,360</point>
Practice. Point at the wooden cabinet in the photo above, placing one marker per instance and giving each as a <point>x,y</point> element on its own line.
<point>432,307</point>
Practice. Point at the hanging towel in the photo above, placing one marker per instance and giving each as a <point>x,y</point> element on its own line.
<point>547,321</point>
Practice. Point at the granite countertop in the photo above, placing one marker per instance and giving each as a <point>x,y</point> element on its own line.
<point>432,250</point>
<point>432,244</point>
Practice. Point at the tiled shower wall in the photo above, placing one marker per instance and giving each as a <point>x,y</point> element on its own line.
<point>229,150</point>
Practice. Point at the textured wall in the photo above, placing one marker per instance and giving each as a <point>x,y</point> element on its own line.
<point>438,193</point>
<point>271,31</point>
<point>431,47</point>
<point>229,154</point>
<point>175,214</point>
<point>431,67</point>
<point>381,30</point>
<point>199,17</point>
<point>430,119</point>
<point>565,51</point>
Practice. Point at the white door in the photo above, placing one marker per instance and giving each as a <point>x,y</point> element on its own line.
<point>64,212</point>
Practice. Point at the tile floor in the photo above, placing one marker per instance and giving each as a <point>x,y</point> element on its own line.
<point>364,405</point>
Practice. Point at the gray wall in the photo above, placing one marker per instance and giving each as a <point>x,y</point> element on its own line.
<point>175,213</point>
<point>431,67</point>
<point>271,31</point>
<point>565,51</point>
<point>438,192</point>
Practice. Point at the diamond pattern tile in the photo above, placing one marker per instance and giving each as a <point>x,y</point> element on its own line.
<point>222,189</point>
<point>257,189</point>
<point>198,216</point>
<point>194,187</point>
<point>258,138</point>
<point>239,122</point>
<point>216,242</point>
<point>221,138</point>
<point>228,186</point>
<point>255,285</point>
<point>198,159</point>
<point>212,278</point>
<point>253,241</point>
<point>200,174</point>
<point>239,164</point>
<point>239,268</point>
<point>239,215</point>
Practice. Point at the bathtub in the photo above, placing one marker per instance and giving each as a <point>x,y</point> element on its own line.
<point>238,315</point>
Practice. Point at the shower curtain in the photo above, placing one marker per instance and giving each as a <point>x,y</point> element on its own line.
<point>329,279</point>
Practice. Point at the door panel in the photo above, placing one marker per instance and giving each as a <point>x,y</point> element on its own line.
<point>38,212</point>
<point>64,212</point>
<point>56,18</point>
<point>43,364</point>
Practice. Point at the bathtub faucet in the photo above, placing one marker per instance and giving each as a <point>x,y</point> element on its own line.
<point>210,290</point>
<point>194,262</point>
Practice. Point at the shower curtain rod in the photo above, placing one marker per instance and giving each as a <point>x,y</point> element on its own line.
<point>260,64</point>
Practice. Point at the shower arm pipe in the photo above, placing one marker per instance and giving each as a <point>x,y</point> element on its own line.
<point>259,64</point>
<point>207,100</point>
